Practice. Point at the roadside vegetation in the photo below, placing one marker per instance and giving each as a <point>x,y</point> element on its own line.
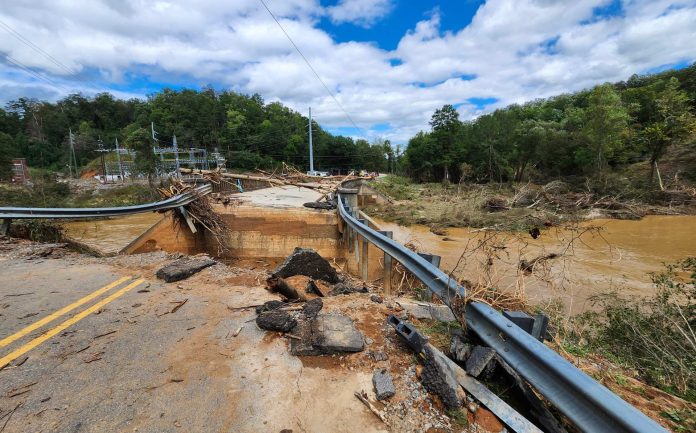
<point>48,191</point>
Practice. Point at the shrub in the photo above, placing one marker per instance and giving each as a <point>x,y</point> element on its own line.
<point>656,335</point>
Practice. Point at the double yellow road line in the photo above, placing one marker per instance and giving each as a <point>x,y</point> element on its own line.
<point>60,328</point>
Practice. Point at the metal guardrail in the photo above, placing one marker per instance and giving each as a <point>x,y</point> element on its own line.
<point>68,213</point>
<point>588,404</point>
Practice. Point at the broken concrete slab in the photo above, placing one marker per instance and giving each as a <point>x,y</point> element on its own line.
<point>384,385</point>
<point>276,320</point>
<point>426,310</point>
<point>305,261</point>
<point>183,268</point>
<point>459,349</point>
<point>336,333</point>
<point>479,359</point>
<point>438,378</point>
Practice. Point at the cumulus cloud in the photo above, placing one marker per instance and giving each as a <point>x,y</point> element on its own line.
<point>512,51</point>
<point>361,12</point>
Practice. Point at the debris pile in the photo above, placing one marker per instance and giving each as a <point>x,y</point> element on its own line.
<point>200,211</point>
<point>288,175</point>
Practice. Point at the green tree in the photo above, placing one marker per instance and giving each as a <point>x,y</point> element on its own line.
<point>606,124</point>
<point>6,154</point>
<point>146,162</point>
<point>445,127</point>
<point>672,123</point>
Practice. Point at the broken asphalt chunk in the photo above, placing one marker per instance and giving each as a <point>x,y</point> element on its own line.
<point>479,359</point>
<point>183,268</point>
<point>384,386</point>
<point>276,320</point>
<point>305,261</point>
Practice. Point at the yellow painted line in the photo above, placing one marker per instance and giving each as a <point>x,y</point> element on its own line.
<point>63,326</point>
<point>53,316</point>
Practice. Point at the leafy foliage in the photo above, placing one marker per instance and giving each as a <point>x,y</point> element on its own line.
<point>249,132</point>
<point>656,336</point>
<point>587,133</point>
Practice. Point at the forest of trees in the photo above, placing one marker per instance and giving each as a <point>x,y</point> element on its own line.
<point>588,133</point>
<point>249,132</point>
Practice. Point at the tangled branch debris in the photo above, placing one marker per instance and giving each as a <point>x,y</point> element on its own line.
<point>200,211</point>
<point>288,175</point>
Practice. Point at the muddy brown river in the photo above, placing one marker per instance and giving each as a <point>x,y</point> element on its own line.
<point>619,255</point>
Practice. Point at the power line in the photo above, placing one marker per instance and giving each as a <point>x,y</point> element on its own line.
<point>310,66</point>
<point>36,74</point>
<point>39,50</point>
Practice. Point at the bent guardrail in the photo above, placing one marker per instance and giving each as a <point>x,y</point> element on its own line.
<point>177,201</point>
<point>588,404</point>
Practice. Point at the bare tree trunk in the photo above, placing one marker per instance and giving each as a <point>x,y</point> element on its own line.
<point>659,178</point>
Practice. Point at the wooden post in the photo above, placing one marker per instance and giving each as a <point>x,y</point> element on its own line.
<point>435,261</point>
<point>387,275</point>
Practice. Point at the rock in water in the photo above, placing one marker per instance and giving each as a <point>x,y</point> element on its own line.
<point>384,386</point>
<point>183,268</point>
<point>305,261</point>
<point>336,333</point>
<point>276,320</point>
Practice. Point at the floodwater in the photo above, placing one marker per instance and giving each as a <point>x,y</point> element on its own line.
<point>614,255</point>
<point>109,236</point>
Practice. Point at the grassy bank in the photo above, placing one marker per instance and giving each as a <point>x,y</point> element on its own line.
<point>523,206</point>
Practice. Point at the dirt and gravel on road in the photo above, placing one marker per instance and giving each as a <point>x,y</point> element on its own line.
<point>184,356</point>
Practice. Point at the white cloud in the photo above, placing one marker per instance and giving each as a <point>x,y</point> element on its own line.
<point>360,12</point>
<point>513,50</point>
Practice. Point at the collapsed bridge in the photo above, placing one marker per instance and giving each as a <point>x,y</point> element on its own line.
<point>267,219</point>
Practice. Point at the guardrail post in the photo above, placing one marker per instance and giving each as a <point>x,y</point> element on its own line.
<point>356,250</point>
<point>387,275</point>
<point>435,261</point>
<point>348,232</point>
<point>363,256</point>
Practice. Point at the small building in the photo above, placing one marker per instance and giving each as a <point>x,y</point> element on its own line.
<point>20,171</point>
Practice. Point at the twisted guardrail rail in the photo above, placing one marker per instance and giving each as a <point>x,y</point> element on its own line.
<point>175,202</point>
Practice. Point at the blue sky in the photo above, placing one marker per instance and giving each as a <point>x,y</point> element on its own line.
<point>390,63</point>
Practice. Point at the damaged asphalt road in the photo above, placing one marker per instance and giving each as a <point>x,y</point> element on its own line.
<point>186,356</point>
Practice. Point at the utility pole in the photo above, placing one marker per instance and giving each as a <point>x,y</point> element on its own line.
<point>72,157</point>
<point>102,151</point>
<point>120,167</point>
<point>311,153</point>
<point>176,155</point>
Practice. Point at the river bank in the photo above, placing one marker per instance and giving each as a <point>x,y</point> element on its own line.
<point>521,207</point>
